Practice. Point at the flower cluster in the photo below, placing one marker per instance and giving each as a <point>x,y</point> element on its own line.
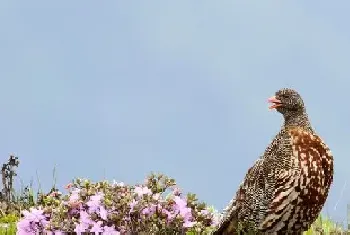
<point>157,206</point>
<point>34,220</point>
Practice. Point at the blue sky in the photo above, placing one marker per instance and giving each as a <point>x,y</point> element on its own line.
<point>118,89</point>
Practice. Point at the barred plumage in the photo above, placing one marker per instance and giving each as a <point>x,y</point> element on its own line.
<point>287,187</point>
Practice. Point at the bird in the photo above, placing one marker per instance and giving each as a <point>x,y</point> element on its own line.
<point>287,187</point>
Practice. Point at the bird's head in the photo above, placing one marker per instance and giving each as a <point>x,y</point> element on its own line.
<point>287,101</point>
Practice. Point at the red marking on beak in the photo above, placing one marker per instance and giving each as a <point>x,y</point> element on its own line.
<point>275,102</point>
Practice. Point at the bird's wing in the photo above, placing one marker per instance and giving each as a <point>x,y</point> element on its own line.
<point>229,220</point>
<point>312,169</point>
<point>227,225</point>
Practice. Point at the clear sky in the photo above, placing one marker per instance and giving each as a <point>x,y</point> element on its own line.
<point>118,89</point>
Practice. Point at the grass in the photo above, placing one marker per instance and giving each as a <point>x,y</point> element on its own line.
<point>322,225</point>
<point>7,228</point>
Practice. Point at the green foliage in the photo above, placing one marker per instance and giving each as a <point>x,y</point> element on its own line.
<point>7,229</point>
<point>9,218</point>
<point>324,225</point>
<point>8,224</point>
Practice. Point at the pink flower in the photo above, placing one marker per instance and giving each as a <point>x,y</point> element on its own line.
<point>55,194</point>
<point>68,186</point>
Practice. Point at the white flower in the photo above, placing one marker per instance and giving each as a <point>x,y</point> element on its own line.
<point>4,225</point>
<point>156,196</point>
<point>142,191</point>
<point>116,183</point>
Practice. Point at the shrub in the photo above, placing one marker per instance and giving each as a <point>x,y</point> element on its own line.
<point>157,206</point>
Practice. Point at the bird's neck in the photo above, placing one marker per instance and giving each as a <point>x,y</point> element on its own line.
<point>297,120</point>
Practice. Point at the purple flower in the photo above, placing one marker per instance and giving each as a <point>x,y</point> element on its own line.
<point>132,204</point>
<point>146,211</point>
<point>33,221</point>
<point>95,201</point>
<point>177,191</point>
<point>103,213</point>
<point>204,212</point>
<point>23,232</point>
<point>81,228</point>
<point>85,217</point>
<point>23,226</point>
<point>188,224</point>
<point>35,215</point>
<point>58,232</point>
<point>150,210</point>
<point>85,222</point>
<point>181,203</point>
<point>74,195</point>
<point>110,231</point>
<point>183,210</point>
<point>186,213</point>
<point>170,215</point>
<point>97,227</point>
<point>83,212</point>
<point>95,205</point>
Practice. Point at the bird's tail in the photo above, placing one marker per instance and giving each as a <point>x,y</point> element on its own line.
<point>229,222</point>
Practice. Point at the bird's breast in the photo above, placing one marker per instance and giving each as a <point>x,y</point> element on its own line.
<point>315,163</point>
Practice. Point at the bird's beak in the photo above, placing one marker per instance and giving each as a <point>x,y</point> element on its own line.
<point>275,102</point>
